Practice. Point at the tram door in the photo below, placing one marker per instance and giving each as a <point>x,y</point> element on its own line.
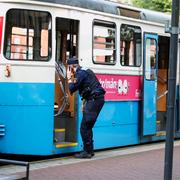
<point>64,103</point>
<point>149,84</point>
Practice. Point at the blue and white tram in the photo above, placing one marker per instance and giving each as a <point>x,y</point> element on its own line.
<point>126,47</point>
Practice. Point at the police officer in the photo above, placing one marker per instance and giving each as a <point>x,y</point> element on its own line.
<point>92,93</point>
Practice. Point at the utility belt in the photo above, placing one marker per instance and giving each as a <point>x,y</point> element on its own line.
<point>89,94</point>
<point>95,97</point>
<point>86,93</point>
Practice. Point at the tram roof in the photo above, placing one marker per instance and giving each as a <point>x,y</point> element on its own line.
<point>113,8</point>
<point>97,5</point>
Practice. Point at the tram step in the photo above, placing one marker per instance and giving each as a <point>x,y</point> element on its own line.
<point>158,122</point>
<point>161,133</point>
<point>59,135</point>
<point>60,130</point>
<point>66,144</point>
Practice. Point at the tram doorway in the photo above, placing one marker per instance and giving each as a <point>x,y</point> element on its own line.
<point>162,83</point>
<point>65,122</point>
<point>156,59</point>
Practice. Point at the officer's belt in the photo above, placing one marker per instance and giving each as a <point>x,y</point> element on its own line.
<point>95,97</point>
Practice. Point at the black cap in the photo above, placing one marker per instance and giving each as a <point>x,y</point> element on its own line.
<point>72,61</point>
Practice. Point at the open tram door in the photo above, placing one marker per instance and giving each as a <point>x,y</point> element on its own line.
<point>149,102</point>
<point>155,85</point>
<point>65,121</point>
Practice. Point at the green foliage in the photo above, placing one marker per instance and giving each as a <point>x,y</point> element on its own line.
<point>158,5</point>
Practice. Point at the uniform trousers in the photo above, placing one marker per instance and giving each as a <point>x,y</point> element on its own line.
<point>92,108</point>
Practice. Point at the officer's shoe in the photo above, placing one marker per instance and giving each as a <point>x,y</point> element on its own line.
<point>83,154</point>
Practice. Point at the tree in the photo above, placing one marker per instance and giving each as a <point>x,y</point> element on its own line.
<point>158,5</point>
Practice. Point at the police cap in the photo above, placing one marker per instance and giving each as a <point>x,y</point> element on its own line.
<point>72,61</point>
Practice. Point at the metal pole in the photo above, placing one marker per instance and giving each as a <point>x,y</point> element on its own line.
<point>171,91</point>
<point>20,163</point>
<point>27,172</point>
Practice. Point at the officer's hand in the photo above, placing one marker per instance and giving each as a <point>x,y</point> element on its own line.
<point>69,74</point>
<point>82,106</point>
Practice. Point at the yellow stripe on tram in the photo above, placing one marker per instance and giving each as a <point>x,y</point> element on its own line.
<point>59,130</point>
<point>66,144</point>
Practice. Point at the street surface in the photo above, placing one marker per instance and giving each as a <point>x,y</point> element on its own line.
<point>142,162</point>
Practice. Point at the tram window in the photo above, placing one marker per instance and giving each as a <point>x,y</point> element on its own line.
<point>131,45</point>
<point>27,35</point>
<point>104,49</point>
<point>151,59</point>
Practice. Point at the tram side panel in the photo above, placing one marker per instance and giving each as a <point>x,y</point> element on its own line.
<point>26,113</point>
<point>27,92</point>
<point>118,121</point>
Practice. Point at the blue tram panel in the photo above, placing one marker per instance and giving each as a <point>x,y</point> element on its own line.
<point>122,128</point>
<point>149,111</point>
<point>26,111</point>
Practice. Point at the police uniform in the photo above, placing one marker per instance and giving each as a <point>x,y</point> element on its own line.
<point>92,95</point>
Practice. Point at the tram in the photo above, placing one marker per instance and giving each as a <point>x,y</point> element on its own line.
<point>126,47</point>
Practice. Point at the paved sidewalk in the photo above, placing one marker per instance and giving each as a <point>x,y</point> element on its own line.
<point>144,162</point>
<point>140,166</point>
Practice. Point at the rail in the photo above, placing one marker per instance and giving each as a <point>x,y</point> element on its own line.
<point>20,163</point>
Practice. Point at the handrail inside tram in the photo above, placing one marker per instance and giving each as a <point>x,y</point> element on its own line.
<point>162,95</point>
<point>61,72</point>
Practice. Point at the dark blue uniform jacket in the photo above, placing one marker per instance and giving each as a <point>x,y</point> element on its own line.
<point>87,84</point>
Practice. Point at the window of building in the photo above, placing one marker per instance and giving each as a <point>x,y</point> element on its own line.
<point>27,35</point>
<point>131,45</point>
<point>104,48</point>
